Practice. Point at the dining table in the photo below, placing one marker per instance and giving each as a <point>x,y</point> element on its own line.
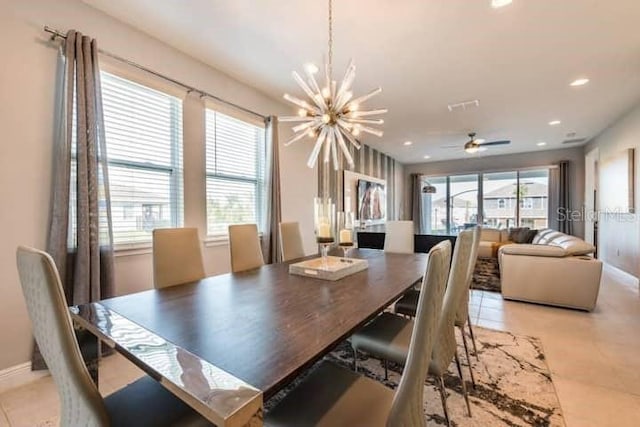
<point>227,343</point>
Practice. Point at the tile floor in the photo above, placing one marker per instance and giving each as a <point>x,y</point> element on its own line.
<point>594,359</point>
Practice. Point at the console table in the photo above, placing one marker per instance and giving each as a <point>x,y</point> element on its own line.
<point>374,239</point>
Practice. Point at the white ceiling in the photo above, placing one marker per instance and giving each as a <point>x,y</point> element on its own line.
<point>517,61</point>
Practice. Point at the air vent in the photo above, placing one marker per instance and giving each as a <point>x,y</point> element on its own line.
<point>464,105</point>
<point>574,141</point>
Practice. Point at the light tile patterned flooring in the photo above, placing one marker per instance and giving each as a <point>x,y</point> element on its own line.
<point>594,358</point>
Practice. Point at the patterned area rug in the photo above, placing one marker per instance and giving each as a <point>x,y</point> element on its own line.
<point>486,276</point>
<point>513,384</point>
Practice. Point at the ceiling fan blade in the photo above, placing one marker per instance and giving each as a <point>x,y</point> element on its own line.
<point>495,143</point>
<point>450,146</point>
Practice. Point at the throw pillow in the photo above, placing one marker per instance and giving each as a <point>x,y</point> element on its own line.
<point>518,234</point>
<point>530,235</point>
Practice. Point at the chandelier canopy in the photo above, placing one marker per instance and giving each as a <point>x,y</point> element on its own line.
<point>331,116</point>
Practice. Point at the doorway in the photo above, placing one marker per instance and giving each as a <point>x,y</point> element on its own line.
<point>591,197</point>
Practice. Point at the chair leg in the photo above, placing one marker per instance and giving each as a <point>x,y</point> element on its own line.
<point>443,397</point>
<point>464,385</point>
<point>473,338</point>
<point>386,369</point>
<point>355,359</point>
<point>466,352</point>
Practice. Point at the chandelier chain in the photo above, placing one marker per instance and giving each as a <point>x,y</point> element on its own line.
<point>330,59</point>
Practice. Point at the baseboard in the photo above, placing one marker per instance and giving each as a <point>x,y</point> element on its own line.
<point>623,276</point>
<point>16,376</point>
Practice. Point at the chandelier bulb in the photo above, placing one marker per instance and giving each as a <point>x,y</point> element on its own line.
<point>326,92</point>
<point>326,118</point>
<point>311,68</point>
<point>302,112</point>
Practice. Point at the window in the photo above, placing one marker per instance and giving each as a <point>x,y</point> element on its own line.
<point>497,200</point>
<point>235,172</point>
<point>143,130</point>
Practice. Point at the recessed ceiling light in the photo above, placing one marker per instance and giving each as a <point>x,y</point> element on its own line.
<point>408,143</point>
<point>500,3</point>
<point>541,144</point>
<point>427,156</point>
<point>580,82</point>
<point>480,140</point>
<point>554,122</point>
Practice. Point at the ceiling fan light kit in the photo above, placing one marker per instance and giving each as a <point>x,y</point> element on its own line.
<point>332,116</point>
<point>474,146</point>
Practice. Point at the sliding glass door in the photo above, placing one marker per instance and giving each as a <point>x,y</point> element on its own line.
<point>534,198</point>
<point>500,199</point>
<point>463,202</point>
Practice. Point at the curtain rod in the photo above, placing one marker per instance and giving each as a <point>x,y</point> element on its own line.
<point>59,34</point>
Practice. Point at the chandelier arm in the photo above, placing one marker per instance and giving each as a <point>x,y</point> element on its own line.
<point>343,99</point>
<point>344,148</point>
<point>372,131</point>
<point>316,149</point>
<point>299,102</point>
<point>370,95</point>
<point>304,87</point>
<point>294,118</point>
<point>352,139</point>
<point>334,151</point>
<point>327,145</point>
<point>295,138</point>
<point>348,78</point>
<point>357,114</point>
<point>364,121</point>
<point>304,126</point>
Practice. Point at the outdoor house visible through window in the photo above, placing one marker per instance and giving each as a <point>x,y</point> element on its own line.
<point>235,172</point>
<point>143,130</point>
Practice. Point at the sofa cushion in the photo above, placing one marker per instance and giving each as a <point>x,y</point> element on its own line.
<point>504,235</point>
<point>490,235</point>
<point>573,245</point>
<point>534,250</point>
<point>541,235</point>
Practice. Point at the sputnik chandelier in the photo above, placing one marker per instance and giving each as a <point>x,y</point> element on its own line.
<point>333,117</point>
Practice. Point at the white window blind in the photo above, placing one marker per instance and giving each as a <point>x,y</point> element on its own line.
<point>143,129</point>
<point>235,172</point>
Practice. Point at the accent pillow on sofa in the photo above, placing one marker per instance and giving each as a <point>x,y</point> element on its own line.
<point>522,235</point>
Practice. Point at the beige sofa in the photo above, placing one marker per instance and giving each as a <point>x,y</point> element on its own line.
<point>491,240</point>
<point>556,269</point>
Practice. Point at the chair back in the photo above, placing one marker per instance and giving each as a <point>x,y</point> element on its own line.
<point>399,237</point>
<point>177,258</point>
<point>81,403</point>
<point>463,309</point>
<point>407,408</point>
<point>291,241</point>
<point>244,245</point>
<point>445,347</point>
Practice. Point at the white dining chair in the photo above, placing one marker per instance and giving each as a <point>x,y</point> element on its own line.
<point>332,396</point>
<point>244,247</point>
<point>291,241</point>
<point>142,403</point>
<point>399,237</point>
<point>177,258</point>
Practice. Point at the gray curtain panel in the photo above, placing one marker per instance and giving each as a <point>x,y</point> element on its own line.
<point>80,233</point>
<point>565,225</point>
<point>560,198</point>
<point>270,235</point>
<point>416,202</point>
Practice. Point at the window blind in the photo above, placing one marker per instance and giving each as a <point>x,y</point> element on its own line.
<point>235,158</point>
<point>143,130</point>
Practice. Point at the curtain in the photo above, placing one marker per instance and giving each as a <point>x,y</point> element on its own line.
<point>270,235</point>
<point>416,202</point>
<point>560,198</point>
<point>80,236</point>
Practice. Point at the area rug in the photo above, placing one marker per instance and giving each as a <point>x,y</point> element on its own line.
<point>486,276</point>
<point>513,384</point>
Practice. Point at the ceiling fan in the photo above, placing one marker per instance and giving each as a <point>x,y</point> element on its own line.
<point>473,146</point>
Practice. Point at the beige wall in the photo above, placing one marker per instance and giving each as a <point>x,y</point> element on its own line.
<point>619,235</point>
<point>507,162</point>
<point>27,76</point>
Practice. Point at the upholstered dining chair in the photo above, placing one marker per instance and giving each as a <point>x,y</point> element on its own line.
<point>244,246</point>
<point>332,396</point>
<point>291,241</point>
<point>399,237</point>
<point>388,335</point>
<point>142,403</point>
<point>462,315</point>
<point>177,258</point>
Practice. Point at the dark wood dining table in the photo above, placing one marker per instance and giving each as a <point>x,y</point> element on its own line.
<point>226,343</point>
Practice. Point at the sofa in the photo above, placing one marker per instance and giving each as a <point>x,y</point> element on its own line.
<point>555,269</point>
<point>491,240</point>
